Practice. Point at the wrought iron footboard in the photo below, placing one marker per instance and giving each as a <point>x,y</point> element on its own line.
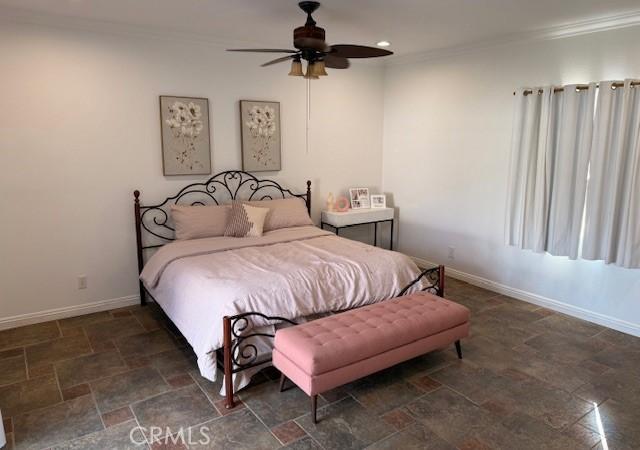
<point>239,353</point>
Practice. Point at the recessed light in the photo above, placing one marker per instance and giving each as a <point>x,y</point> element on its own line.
<point>383,44</point>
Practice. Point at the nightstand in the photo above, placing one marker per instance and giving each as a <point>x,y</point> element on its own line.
<point>352,217</point>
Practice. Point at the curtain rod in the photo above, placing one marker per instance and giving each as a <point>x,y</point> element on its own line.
<point>581,87</point>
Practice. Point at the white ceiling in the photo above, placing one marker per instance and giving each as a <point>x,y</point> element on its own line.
<point>411,25</point>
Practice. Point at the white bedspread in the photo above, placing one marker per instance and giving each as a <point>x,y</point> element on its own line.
<point>290,273</point>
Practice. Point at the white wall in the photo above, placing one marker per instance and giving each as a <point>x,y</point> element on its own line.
<point>79,131</point>
<point>447,129</point>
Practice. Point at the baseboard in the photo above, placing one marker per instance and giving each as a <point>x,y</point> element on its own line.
<point>67,311</point>
<point>556,305</point>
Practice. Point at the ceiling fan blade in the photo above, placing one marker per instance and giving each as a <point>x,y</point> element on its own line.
<point>358,51</point>
<point>277,60</point>
<point>336,62</point>
<point>262,50</point>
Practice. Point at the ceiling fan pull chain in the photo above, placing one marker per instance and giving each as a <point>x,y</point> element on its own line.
<point>308,110</point>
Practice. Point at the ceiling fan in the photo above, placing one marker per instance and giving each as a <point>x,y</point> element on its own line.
<point>309,40</point>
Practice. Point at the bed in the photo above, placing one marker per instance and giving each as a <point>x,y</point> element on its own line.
<point>227,296</point>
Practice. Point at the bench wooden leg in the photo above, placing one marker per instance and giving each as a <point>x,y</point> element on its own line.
<point>314,407</point>
<point>459,349</point>
<point>283,379</point>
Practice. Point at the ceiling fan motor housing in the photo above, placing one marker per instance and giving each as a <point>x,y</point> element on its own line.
<point>309,35</point>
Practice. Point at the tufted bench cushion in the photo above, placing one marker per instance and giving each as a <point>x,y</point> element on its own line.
<point>338,349</point>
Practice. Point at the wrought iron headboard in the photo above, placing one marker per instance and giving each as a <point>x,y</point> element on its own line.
<point>153,222</point>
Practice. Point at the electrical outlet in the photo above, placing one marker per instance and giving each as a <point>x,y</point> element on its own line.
<point>82,282</point>
<point>452,253</point>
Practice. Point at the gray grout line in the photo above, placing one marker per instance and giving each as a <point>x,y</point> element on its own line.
<point>307,433</point>
<point>386,438</point>
<point>61,403</point>
<point>26,363</point>
<point>59,328</point>
<point>130,405</point>
<point>354,399</point>
<point>55,374</point>
<point>95,402</point>
<point>209,399</point>
<point>295,420</point>
<point>139,426</point>
<point>246,405</point>
<point>583,416</point>
<point>346,397</point>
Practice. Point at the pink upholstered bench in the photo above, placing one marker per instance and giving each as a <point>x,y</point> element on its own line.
<point>335,350</point>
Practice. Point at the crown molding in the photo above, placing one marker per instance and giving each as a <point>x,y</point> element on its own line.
<point>558,32</point>
<point>11,15</point>
<point>27,17</point>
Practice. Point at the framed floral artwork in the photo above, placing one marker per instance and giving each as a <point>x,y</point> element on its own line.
<point>184,122</point>
<point>260,128</point>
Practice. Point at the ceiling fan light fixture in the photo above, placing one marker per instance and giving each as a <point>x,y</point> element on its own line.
<point>311,72</point>
<point>296,68</point>
<point>319,68</point>
<point>383,43</point>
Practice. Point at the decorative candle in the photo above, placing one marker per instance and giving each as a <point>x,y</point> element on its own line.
<point>330,202</point>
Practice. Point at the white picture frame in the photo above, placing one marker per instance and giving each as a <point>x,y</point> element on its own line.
<point>378,201</point>
<point>360,198</point>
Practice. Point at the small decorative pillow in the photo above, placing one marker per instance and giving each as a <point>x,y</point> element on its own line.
<point>245,220</point>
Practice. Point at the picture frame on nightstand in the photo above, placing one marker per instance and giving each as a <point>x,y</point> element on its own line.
<point>359,198</point>
<point>378,201</point>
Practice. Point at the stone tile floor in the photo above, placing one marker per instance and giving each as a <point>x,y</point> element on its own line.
<point>530,379</point>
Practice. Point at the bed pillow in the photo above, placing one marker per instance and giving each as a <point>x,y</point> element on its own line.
<point>194,222</point>
<point>284,213</point>
<point>245,220</point>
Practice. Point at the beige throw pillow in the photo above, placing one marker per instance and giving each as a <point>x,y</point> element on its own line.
<point>284,213</point>
<point>245,220</point>
<point>194,222</point>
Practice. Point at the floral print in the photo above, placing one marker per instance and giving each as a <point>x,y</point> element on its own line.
<point>185,121</point>
<point>262,128</point>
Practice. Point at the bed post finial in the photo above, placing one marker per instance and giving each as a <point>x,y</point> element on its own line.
<point>138,220</point>
<point>309,196</point>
